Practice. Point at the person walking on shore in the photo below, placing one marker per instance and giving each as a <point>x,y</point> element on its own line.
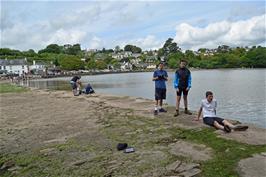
<point>182,84</point>
<point>160,76</point>
<point>75,84</point>
<point>208,107</point>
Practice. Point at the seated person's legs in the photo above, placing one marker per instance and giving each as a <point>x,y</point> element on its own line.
<point>217,123</point>
<point>235,128</point>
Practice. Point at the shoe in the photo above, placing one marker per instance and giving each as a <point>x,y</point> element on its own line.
<point>155,112</point>
<point>188,112</point>
<point>240,128</point>
<point>227,129</point>
<point>176,113</point>
<point>162,110</point>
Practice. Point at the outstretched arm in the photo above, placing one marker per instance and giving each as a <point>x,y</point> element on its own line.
<point>199,114</point>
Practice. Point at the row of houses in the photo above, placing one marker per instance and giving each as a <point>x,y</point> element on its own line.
<point>23,67</point>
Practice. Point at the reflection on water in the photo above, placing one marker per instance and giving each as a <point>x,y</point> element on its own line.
<point>240,93</point>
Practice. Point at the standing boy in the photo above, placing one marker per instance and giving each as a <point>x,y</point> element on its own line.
<point>182,84</point>
<point>160,77</point>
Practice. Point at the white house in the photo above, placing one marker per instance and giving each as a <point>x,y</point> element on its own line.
<point>126,66</point>
<point>15,66</point>
<point>39,65</point>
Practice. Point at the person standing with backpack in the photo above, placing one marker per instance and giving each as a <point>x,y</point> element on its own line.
<point>182,85</point>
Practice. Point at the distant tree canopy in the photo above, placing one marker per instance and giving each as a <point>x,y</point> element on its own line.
<point>65,49</point>
<point>69,56</point>
<point>132,48</point>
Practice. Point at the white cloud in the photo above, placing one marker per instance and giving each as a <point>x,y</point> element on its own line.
<point>240,33</point>
<point>66,37</point>
<point>95,43</point>
<point>146,43</point>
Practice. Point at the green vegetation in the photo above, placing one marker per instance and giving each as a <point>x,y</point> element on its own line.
<point>102,159</point>
<point>9,88</point>
<point>227,152</point>
<point>68,57</point>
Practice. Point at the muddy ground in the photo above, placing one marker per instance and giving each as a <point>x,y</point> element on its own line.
<point>52,133</point>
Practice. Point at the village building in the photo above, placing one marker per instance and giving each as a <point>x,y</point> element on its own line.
<point>14,66</point>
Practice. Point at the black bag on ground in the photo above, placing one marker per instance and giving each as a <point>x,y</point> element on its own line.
<point>121,146</point>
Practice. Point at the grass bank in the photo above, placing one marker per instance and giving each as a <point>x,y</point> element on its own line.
<point>10,88</point>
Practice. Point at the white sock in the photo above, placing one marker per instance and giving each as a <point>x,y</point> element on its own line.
<point>160,107</point>
<point>155,108</point>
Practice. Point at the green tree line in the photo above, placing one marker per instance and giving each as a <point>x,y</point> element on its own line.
<point>68,57</point>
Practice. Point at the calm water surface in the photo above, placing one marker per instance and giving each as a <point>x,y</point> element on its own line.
<point>240,92</point>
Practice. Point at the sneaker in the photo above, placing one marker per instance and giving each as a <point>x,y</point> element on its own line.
<point>240,128</point>
<point>188,112</point>
<point>176,113</point>
<point>227,129</point>
<point>162,110</point>
<point>155,112</point>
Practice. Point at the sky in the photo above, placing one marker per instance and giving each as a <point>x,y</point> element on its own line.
<point>147,24</point>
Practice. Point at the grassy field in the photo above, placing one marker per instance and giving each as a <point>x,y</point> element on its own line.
<point>9,88</point>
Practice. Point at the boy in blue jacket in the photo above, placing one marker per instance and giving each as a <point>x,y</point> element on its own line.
<point>182,84</point>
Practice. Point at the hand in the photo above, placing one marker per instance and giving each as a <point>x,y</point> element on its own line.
<point>187,89</point>
<point>177,89</point>
<point>196,119</point>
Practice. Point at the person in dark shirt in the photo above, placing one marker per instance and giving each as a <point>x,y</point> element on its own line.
<point>160,77</point>
<point>182,84</point>
<point>75,84</point>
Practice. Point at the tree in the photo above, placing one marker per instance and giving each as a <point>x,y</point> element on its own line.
<point>132,48</point>
<point>168,48</point>
<point>72,50</point>
<point>70,62</point>
<point>52,48</point>
<point>174,58</point>
<point>101,64</point>
<point>91,64</point>
<point>56,63</point>
<point>117,49</point>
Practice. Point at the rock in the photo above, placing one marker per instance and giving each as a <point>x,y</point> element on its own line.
<point>173,166</point>
<point>48,151</point>
<point>194,151</point>
<point>253,166</point>
<point>190,173</point>
<point>253,136</point>
<point>186,167</point>
<point>15,168</point>
<point>79,162</point>
<point>7,165</point>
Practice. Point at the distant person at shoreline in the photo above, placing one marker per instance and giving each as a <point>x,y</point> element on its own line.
<point>182,84</point>
<point>208,107</point>
<point>75,84</point>
<point>160,76</point>
<point>88,89</point>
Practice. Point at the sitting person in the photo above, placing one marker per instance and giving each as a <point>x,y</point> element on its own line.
<point>75,84</point>
<point>208,107</point>
<point>88,89</point>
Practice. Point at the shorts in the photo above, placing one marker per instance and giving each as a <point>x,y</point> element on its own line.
<point>160,93</point>
<point>182,90</point>
<point>210,120</point>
